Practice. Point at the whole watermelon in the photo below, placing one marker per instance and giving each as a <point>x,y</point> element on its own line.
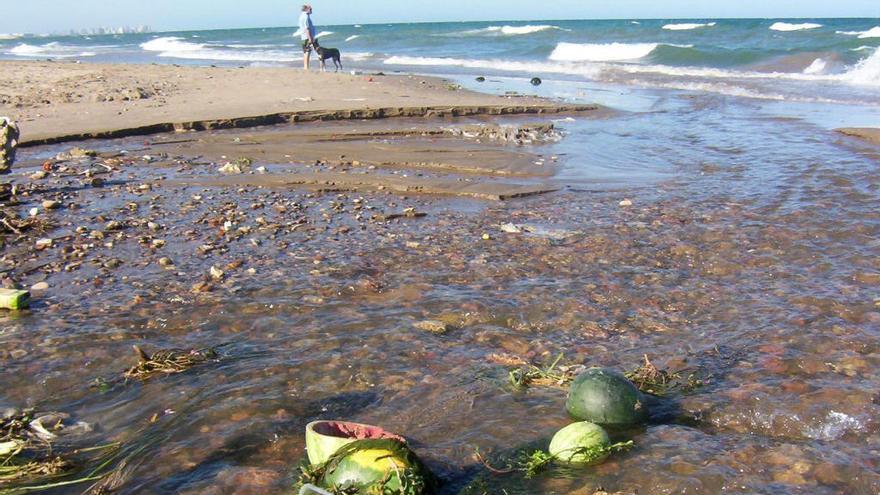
<point>580,443</point>
<point>606,397</point>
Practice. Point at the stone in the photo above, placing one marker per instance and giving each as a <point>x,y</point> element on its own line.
<point>166,261</point>
<point>39,175</point>
<point>51,204</point>
<point>9,135</point>
<point>626,202</point>
<point>216,273</point>
<point>433,326</point>
<point>42,244</point>
<point>40,287</point>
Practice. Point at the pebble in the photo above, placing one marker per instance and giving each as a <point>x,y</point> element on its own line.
<point>39,175</point>
<point>40,287</point>
<point>434,326</point>
<point>216,273</point>
<point>43,244</point>
<point>18,353</point>
<point>166,261</point>
<point>51,204</point>
<point>626,202</point>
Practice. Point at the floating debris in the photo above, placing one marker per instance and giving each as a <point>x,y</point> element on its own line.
<point>552,375</point>
<point>656,381</point>
<point>168,362</point>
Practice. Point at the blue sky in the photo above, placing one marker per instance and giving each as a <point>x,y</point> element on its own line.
<point>41,16</point>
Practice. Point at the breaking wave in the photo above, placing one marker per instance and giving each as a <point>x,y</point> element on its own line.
<point>785,27</point>
<point>874,32</point>
<point>687,26</point>
<point>601,52</point>
<point>49,50</point>
<point>174,47</point>
<point>510,30</point>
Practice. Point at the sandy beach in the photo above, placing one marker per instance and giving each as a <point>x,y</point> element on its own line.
<point>57,101</point>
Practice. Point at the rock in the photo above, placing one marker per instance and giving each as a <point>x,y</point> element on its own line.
<point>536,81</point>
<point>113,225</point>
<point>626,202</point>
<point>166,262</point>
<point>40,287</point>
<point>51,204</point>
<point>95,182</point>
<point>18,354</point>
<point>42,244</point>
<point>216,273</point>
<point>39,175</point>
<point>481,79</point>
<point>8,142</point>
<point>434,326</point>
<point>76,152</point>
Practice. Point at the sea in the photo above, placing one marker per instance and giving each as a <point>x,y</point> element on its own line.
<point>814,60</point>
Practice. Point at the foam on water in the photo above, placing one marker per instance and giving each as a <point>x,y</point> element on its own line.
<point>785,26</point>
<point>687,26</point>
<point>350,38</point>
<point>49,50</point>
<point>601,52</point>
<point>174,47</point>
<point>866,72</point>
<point>510,30</point>
<point>874,32</point>
<point>817,67</point>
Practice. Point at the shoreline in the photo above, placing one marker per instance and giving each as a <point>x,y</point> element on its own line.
<point>56,102</point>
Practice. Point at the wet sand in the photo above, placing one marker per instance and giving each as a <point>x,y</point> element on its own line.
<point>64,101</point>
<point>869,134</point>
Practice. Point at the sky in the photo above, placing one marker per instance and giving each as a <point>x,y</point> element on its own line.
<point>44,16</point>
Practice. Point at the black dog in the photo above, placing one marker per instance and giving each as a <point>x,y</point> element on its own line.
<point>328,53</point>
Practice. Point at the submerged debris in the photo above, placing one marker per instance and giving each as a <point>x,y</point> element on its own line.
<point>519,135</point>
<point>656,381</point>
<point>11,223</point>
<point>552,375</point>
<point>167,362</point>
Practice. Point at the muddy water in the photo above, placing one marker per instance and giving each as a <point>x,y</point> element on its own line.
<point>749,255</point>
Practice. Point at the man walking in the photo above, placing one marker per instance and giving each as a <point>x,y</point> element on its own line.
<point>307,32</point>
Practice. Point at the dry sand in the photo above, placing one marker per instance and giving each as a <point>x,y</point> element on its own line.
<point>62,101</point>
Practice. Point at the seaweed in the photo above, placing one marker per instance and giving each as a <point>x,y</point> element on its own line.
<point>531,463</point>
<point>167,362</point>
<point>551,375</point>
<point>659,382</point>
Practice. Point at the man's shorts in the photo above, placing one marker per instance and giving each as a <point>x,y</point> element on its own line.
<point>307,46</point>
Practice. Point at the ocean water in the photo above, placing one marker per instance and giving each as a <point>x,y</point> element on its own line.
<point>817,60</point>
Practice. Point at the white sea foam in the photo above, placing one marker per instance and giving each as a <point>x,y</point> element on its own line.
<point>299,33</point>
<point>874,32</point>
<point>817,67</point>
<point>10,36</point>
<point>866,72</point>
<point>598,52</point>
<point>501,65</point>
<point>171,44</point>
<point>49,50</point>
<point>510,30</point>
<point>785,27</point>
<point>350,38</point>
<point>687,26</point>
